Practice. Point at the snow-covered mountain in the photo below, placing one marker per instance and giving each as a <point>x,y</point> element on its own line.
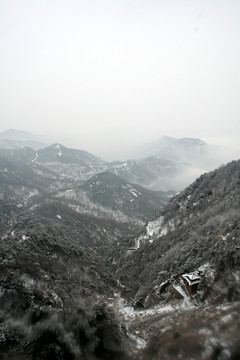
<point>83,276</point>
<point>59,153</point>
<point>108,196</point>
<point>154,148</point>
<point>153,172</point>
<point>185,149</point>
<point>190,150</point>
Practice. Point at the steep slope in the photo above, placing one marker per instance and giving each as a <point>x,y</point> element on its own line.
<point>196,237</point>
<point>91,228</point>
<point>110,191</point>
<point>22,182</point>
<point>52,290</point>
<point>198,226</point>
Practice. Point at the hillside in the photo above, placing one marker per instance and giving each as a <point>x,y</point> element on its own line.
<point>198,233</point>
<point>97,269</point>
<point>198,226</point>
<point>52,286</point>
<point>113,193</point>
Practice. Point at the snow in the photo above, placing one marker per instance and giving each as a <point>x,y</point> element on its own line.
<point>137,243</point>
<point>35,159</point>
<point>205,331</point>
<point>224,238</point>
<point>164,231</point>
<point>236,276</point>
<point>203,267</point>
<point>140,343</point>
<point>171,225</point>
<point>23,238</point>
<point>59,150</point>
<point>211,344</point>
<point>227,318</point>
<point>129,313</point>
<point>27,282</point>
<point>133,193</point>
<point>154,226</point>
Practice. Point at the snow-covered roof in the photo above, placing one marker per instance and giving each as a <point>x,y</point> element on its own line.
<point>192,278</point>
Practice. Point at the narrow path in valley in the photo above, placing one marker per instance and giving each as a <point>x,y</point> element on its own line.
<point>137,322</point>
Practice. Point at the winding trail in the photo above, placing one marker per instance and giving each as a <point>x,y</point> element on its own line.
<point>129,315</point>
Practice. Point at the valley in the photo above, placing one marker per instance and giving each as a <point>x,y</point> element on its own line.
<point>106,261</point>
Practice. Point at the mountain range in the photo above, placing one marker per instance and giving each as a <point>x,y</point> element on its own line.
<point>166,169</point>
<point>94,266</point>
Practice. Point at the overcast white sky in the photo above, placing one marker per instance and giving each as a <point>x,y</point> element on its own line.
<point>108,75</point>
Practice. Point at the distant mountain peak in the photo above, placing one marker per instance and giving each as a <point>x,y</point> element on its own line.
<point>168,147</point>
<point>58,148</point>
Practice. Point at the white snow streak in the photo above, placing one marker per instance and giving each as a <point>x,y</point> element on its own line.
<point>59,150</point>
<point>35,159</point>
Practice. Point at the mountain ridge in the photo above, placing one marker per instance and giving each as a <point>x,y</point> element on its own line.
<point>98,287</point>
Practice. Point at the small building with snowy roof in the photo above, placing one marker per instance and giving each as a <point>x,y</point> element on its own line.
<point>191,281</point>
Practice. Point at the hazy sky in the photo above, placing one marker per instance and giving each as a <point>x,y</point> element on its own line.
<point>107,75</point>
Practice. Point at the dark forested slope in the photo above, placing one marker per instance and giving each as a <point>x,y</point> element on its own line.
<point>200,225</point>
<point>64,272</point>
